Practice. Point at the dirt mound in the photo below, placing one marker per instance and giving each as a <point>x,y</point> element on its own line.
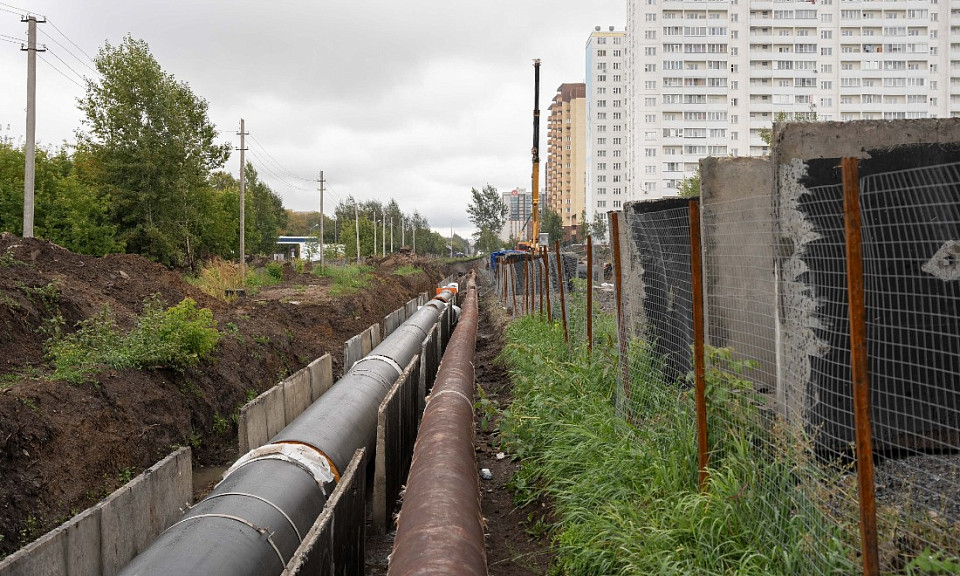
<point>64,446</point>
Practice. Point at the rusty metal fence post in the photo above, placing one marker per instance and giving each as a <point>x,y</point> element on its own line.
<point>563,301</point>
<point>866,488</point>
<point>696,272</point>
<point>622,334</point>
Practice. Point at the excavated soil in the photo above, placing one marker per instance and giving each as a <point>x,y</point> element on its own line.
<point>65,446</point>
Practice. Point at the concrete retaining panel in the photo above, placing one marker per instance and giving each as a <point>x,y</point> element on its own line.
<point>410,308</point>
<point>352,351</point>
<point>738,232</point>
<point>392,321</point>
<point>396,434</point>
<point>273,406</point>
<point>335,543</point>
<point>296,395</point>
<point>102,539</point>
<point>321,376</point>
<point>252,426</point>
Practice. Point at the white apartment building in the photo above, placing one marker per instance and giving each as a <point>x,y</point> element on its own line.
<point>519,206</point>
<point>706,77</point>
<point>606,178</point>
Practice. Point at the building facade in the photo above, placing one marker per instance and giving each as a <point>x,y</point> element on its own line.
<point>567,155</point>
<point>606,179</point>
<point>709,77</point>
<point>519,203</point>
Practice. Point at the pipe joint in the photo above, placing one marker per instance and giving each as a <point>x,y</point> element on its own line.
<point>313,462</point>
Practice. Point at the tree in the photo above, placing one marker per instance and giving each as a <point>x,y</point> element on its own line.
<point>598,228</point>
<point>690,187</point>
<point>488,212</point>
<point>152,148</point>
<point>584,229</point>
<point>552,224</point>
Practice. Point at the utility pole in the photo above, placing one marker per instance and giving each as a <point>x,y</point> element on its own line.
<point>373,252</point>
<point>383,249</point>
<point>403,231</point>
<point>391,235</point>
<point>30,151</point>
<point>320,183</point>
<point>356,215</point>
<point>243,225</point>
<point>451,240</point>
<point>414,238</point>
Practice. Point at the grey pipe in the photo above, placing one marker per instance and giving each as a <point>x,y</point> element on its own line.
<point>254,520</point>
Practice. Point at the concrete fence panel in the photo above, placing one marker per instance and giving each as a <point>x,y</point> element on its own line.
<point>321,376</point>
<point>334,545</point>
<point>273,405</point>
<point>102,539</point>
<point>296,395</point>
<point>396,433</point>
<point>352,351</point>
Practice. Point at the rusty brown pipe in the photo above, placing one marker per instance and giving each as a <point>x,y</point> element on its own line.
<point>440,527</point>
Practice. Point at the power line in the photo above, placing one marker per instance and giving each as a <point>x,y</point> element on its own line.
<point>82,51</point>
<point>68,51</point>
<point>60,72</point>
<point>79,75</point>
<point>276,163</point>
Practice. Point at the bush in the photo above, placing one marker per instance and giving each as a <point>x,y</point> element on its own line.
<point>174,337</point>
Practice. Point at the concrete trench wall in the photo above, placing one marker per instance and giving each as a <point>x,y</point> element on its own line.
<point>104,538</point>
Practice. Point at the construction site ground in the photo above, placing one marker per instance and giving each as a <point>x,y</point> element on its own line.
<point>65,446</point>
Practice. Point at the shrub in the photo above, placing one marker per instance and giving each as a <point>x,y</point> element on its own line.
<point>174,337</point>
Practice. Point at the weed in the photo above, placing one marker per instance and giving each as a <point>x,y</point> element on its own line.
<point>194,440</point>
<point>346,279</point>
<point>30,529</point>
<point>264,340</point>
<point>125,475</point>
<point>7,260</point>
<point>232,327</point>
<point>299,265</point>
<point>217,277</point>
<point>487,408</point>
<point>626,495</point>
<point>249,394</point>
<point>407,270</point>
<point>29,403</point>
<point>175,337</point>
<point>188,388</point>
<point>275,270</point>
<point>220,424</point>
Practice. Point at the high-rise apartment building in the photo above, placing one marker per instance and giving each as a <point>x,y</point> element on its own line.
<point>606,179</point>
<point>710,77</point>
<point>519,205</point>
<point>567,155</point>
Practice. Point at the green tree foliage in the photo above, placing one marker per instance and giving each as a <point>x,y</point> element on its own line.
<point>488,212</point>
<point>583,230</point>
<point>68,209</point>
<point>690,187</point>
<point>152,148</point>
<point>552,224</point>
<point>598,228</point>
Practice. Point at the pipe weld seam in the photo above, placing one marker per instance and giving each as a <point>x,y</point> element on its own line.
<point>454,392</point>
<point>303,456</point>
<point>244,521</point>
<point>374,375</point>
<point>265,501</point>
<point>393,363</point>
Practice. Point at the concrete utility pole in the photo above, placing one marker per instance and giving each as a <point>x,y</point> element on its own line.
<point>356,214</point>
<point>373,252</point>
<point>414,238</point>
<point>403,231</point>
<point>243,225</point>
<point>391,235</point>
<point>320,183</point>
<point>383,249</point>
<point>29,151</point>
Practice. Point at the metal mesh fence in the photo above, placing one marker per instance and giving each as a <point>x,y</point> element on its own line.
<point>911,229</point>
<point>778,375</point>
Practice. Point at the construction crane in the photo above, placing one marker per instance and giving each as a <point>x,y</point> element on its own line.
<point>535,207</point>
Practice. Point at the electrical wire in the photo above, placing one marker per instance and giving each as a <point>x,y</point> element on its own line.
<point>68,51</point>
<point>77,46</point>
<point>54,54</point>
<point>60,72</point>
<point>276,163</point>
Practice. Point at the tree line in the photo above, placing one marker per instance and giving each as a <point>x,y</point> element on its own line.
<point>146,176</point>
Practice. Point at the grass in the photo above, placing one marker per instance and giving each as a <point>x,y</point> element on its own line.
<point>174,337</point>
<point>346,279</point>
<point>219,276</point>
<point>407,270</point>
<point>626,496</point>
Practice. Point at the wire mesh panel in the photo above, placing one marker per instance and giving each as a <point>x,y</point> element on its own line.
<point>911,248</point>
<point>758,315</point>
<point>656,293</point>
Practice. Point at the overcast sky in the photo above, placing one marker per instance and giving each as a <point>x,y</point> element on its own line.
<point>414,100</point>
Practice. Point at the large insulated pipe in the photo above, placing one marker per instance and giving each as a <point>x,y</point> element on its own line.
<point>440,527</point>
<point>254,520</point>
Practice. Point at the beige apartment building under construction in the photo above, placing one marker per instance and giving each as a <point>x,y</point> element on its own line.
<point>567,156</point>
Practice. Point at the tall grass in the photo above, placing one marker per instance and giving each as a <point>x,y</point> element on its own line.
<point>219,276</point>
<point>626,496</point>
<point>346,279</point>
